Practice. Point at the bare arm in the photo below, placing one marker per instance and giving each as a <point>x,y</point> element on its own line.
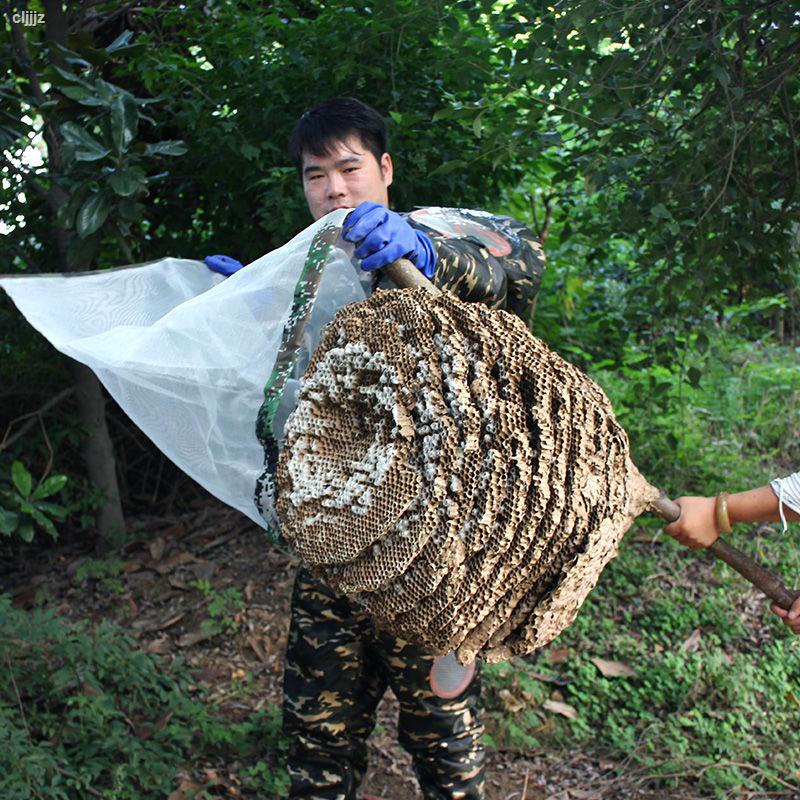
<point>697,527</point>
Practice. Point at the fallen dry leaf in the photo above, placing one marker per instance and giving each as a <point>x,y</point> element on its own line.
<point>559,680</point>
<point>558,655</point>
<point>173,620</point>
<point>156,548</point>
<point>190,639</point>
<point>512,703</point>
<point>564,709</point>
<point>692,643</point>
<point>174,531</point>
<point>613,669</point>
<point>175,560</point>
<point>160,647</point>
<point>187,790</point>
<point>149,625</point>
<point>162,721</point>
<point>203,570</point>
<point>257,648</point>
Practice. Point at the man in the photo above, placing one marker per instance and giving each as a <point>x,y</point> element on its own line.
<point>337,666</point>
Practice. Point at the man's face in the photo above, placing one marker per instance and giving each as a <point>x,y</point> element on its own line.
<point>347,176</point>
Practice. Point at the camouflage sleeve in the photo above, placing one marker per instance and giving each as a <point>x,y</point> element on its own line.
<point>483,257</point>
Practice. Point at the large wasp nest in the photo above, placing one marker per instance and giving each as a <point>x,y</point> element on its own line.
<point>452,475</point>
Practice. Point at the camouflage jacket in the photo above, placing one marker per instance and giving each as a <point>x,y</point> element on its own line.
<point>483,257</point>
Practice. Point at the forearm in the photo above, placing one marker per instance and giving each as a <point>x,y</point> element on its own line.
<point>699,525</point>
<point>757,505</point>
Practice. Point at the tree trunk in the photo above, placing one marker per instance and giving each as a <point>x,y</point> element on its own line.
<point>98,454</point>
<point>98,449</point>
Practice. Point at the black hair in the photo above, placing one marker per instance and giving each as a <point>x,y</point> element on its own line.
<point>333,121</point>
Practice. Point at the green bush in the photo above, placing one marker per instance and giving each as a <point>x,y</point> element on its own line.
<point>84,711</point>
<point>24,507</point>
<point>721,416</point>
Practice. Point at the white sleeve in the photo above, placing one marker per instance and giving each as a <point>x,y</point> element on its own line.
<point>788,492</point>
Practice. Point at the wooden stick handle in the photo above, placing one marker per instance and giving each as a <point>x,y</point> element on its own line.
<point>406,276</point>
<point>761,578</point>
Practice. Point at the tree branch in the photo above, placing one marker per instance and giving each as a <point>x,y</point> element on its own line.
<point>23,56</point>
<point>31,418</point>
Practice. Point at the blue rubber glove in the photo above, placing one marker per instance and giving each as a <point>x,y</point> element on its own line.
<point>225,265</point>
<point>383,236</point>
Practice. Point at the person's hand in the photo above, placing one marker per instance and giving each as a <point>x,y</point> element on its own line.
<point>791,618</point>
<point>697,525</point>
<point>383,236</point>
<point>225,265</point>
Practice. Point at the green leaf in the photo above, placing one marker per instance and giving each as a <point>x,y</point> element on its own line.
<point>72,77</point>
<point>694,375</point>
<point>8,521</point>
<point>26,532</point>
<point>550,138</point>
<point>126,182</point>
<point>65,216</point>
<point>130,210</point>
<point>80,94</point>
<point>44,522</point>
<point>107,92</point>
<point>79,137</point>
<point>90,155</point>
<point>124,121</point>
<point>120,43</point>
<point>721,75</point>
<point>448,167</point>
<point>93,214</point>
<point>26,507</point>
<point>249,151</point>
<point>442,113</point>
<point>22,478</point>
<point>52,510</point>
<point>701,342</point>
<point>660,211</point>
<point>53,485</point>
<point>166,148</point>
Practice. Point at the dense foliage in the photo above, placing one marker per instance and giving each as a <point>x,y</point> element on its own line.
<point>102,718</point>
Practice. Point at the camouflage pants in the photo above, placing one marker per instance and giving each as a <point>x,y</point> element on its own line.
<point>337,669</point>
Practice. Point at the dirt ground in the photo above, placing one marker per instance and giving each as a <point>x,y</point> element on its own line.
<point>162,609</point>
